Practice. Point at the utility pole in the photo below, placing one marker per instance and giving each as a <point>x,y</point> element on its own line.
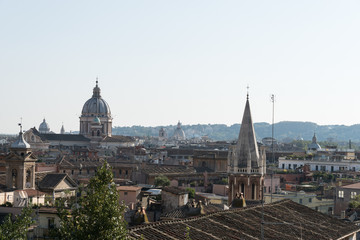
<point>272,145</point>
<point>272,128</point>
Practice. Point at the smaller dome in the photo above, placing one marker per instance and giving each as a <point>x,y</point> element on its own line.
<point>44,127</point>
<point>179,134</point>
<point>20,143</point>
<point>314,145</point>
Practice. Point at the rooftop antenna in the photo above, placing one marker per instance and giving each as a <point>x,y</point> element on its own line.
<point>272,128</point>
<point>272,97</point>
<point>20,124</point>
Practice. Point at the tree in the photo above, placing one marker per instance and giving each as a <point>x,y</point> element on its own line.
<point>355,202</point>
<point>162,181</point>
<point>16,229</point>
<point>191,192</point>
<point>97,213</point>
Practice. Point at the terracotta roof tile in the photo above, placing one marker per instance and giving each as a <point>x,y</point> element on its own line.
<point>291,221</point>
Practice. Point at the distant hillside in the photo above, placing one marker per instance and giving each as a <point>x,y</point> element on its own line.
<point>285,131</point>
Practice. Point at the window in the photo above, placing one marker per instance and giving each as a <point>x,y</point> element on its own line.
<point>125,193</point>
<point>295,166</point>
<point>289,166</point>
<point>341,194</point>
<point>283,165</point>
<point>300,201</point>
<point>72,171</point>
<point>120,172</point>
<point>353,195</point>
<point>126,172</point>
<point>310,199</point>
<point>51,223</point>
<point>317,168</point>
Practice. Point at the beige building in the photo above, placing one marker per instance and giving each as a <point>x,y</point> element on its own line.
<point>20,165</point>
<point>130,195</point>
<point>173,198</point>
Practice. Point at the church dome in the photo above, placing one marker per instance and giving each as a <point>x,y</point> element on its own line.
<point>96,106</point>
<point>314,145</point>
<point>20,143</point>
<point>44,127</point>
<point>179,133</point>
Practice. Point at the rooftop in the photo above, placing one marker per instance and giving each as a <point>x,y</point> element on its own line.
<point>174,190</point>
<point>292,221</point>
<point>352,186</point>
<point>128,188</point>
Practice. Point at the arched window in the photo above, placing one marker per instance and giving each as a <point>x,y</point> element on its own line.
<point>28,178</point>
<point>253,189</point>
<point>98,133</point>
<point>14,178</point>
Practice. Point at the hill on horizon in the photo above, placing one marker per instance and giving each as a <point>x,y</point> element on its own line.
<point>283,131</point>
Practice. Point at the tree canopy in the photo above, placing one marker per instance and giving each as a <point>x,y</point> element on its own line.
<point>97,213</point>
<point>162,181</point>
<point>16,229</point>
<point>355,202</point>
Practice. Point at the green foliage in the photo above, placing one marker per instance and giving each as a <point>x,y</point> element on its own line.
<point>225,181</point>
<point>161,181</point>
<point>187,234</point>
<point>16,229</point>
<point>326,177</point>
<point>97,213</point>
<point>355,203</point>
<point>191,192</point>
<point>7,204</point>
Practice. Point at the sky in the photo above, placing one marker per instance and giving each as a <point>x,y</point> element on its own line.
<point>162,61</point>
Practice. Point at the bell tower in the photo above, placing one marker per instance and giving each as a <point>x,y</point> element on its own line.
<point>20,165</point>
<point>246,164</point>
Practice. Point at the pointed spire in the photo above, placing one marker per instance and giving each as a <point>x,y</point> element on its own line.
<point>314,139</point>
<point>247,95</point>
<point>247,149</point>
<point>62,130</point>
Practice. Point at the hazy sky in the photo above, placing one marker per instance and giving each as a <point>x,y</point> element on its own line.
<point>163,61</point>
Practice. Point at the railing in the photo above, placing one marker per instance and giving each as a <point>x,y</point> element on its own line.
<point>245,170</point>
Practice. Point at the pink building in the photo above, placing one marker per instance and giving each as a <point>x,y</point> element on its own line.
<point>130,195</point>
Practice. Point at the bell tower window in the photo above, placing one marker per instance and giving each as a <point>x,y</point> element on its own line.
<point>28,178</point>
<point>14,178</point>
